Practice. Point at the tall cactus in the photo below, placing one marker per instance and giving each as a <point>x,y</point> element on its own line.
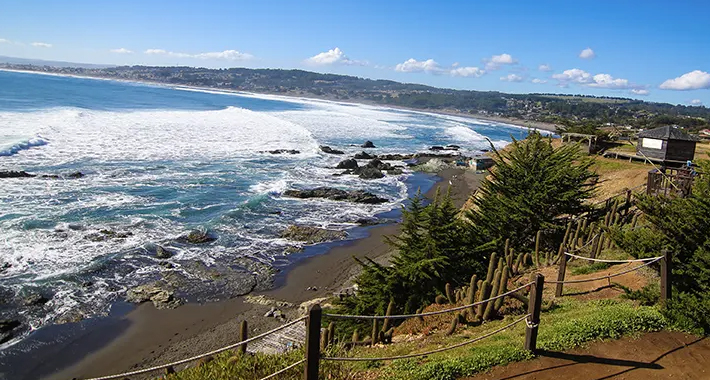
<point>490,305</point>
<point>502,288</point>
<point>576,232</point>
<point>471,295</point>
<point>454,323</point>
<point>375,332</point>
<point>491,267</point>
<point>331,333</point>
<point>517,263</point>
<point>483,294</point>
<point>356,336</point>
<point>390,310</point>
<point>507,247</point>
<point>537,248</point>
<point>450,294</point>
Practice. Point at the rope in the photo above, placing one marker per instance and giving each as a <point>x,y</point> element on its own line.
<point>343,359</point>
<point>405,316</point>
<point>183,361</point>
<point>614,261</point>
<point>283,370</point>
<point>603,277</point>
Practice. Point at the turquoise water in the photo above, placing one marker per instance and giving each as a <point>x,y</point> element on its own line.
<point>160,161</point>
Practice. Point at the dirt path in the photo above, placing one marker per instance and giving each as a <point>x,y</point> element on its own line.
<point>660,355</point>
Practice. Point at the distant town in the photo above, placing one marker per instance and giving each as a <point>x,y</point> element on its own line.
<point>545,108</point>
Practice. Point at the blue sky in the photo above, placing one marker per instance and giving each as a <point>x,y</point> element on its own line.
<point>651,50</point>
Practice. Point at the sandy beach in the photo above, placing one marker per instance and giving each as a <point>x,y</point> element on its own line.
<point>147,336</point>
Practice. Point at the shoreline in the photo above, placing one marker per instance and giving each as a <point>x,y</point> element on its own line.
<point>519,123</point>
<point>146,336</point>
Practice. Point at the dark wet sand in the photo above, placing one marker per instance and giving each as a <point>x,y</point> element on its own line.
<point>154,336</point>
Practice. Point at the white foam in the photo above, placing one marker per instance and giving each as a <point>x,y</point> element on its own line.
<point>10,145</point>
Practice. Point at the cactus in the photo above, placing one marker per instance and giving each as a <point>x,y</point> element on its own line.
<point>243,335</point>
<point>518,263</point>
<point>496,287</point>
<point>569,227</point>
<point>440,300</point>
<point>502,288</point>
<point>356,336</point>
<point>537,248</point>
<point>419,311</point>
<point>331,333</point>
<point>390,310</point>
<point>324,339</point>
<point>584,228</point>
<point>375,332</point>
<point>509,258</point>
<point>485,291</point>
<point>471,295</point>
<point>526,259</point>
<point>450,294</point>
<point>452,327</point>
<point>387,338</point>
<point>491,267</point>
<point>507,246</point>
<point>576,232</point>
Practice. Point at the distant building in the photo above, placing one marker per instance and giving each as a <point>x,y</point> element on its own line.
<point>480,163</point>
<point>668,143</point>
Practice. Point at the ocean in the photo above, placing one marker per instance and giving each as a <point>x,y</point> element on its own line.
<point>159,162</point>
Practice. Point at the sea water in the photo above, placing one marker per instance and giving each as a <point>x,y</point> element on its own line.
<point>159,162</point>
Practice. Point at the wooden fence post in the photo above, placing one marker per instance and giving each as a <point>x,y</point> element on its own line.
<point>561,274</point>
<point>534,310</point>
<point>666,285</point>
<point>310,369</point>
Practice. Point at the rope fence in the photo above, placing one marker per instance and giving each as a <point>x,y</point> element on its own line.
<point>464,343</point>
<point>604,277</point>
<point>183,361</point>
<point>613,261</point>
<point>427,314</point>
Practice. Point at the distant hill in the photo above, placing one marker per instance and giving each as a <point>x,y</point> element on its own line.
<point>41,62</point>
<point>551,108</point>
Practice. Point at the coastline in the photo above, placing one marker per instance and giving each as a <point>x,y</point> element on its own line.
<point>146,336</point>
<point>520,123</point>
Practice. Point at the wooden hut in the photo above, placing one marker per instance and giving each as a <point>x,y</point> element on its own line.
<point>668,143</point>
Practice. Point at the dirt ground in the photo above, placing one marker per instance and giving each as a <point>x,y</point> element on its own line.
<point>659,355</point>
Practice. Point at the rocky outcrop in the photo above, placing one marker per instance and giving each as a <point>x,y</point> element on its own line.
<point>368,144</point>
<point>162,253</point>
<point>7,327</point>
<point>283,151</point>
<point>161,295</point>
<point>347,164</point>
<point>448,147</point>
<point>15,174</point>
<point>199,236</point>
<point>312,235</point>
<point>357,196</point>
<point>364,156</point>
<point>34,299</point>
<point>106,234</point>
<point>368,173</point>
<point>329,150</point>
<point>73,175</point>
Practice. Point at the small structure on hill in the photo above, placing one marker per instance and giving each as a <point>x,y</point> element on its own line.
<point>669,144</point>
<point>480,162</point>
<point>588,142</point>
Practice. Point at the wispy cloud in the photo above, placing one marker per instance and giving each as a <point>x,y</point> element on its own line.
<point>696,102</point>
<point>413,66</point>
<point>468,71</point>
<point>587,53</point>
<point>227,55</point>
<point>41,44</point>
<point>538,81</point>
<point>5,41</point>
<point>573,76</point>
<point>583,78</point>
<point>693,80</point>
<point>333,56</point>
<point>512,78</point>
<point>640,92</point>
<point>495,62</point>
<point>545,68</point>
<point>121,51</point>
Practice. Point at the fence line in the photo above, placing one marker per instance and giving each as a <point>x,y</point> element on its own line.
<point>605,277</point>
<point>464,343</point>
<point>183,361</point>
<point>614,261</point>
<point>405,316</point>
<point>283,370</point>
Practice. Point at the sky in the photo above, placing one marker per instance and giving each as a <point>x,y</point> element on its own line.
<point>650,50</point>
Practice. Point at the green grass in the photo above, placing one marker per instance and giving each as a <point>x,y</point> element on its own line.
<point>567,324</point>
<point>589,268</point>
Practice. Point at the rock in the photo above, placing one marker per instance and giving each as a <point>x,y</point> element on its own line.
<point>198,236</point>
<point>34,299</point>
<point>347,164</point>
<point>15,174</point>
<point>452,147</point>
<point>436,148</point>
<point>357,196</point>
<point>105,234</point>
<point>369,173</point>
<point>368,144</point>
<point>284,151</point>
<point>72,316</point>
<point>291,249</point>
<point>312,235</point>
<point>162,253</point>
<point>75,175</point>
<point>395,171</point>
<point>270,313</point>
<point>7,327</point>
<point>304,307</point>
<point>156,292</point>
<point>368,221</point>
<point>329,150</point>
<point>364,156</point>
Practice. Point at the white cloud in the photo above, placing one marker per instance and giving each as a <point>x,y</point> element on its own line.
<point>496,61</point>
<point>587,53</point>
<point>468,71</point>
<point>638,91</point>
<point>544,67</point>
<point>121,51</point>
<point>693,80</point>
<point>227,55</point>
<point>573,75</point>
<point>41,44</point>
<point>538,81</point>
<point>607,81</point>
<point>696,102</point>
<point>4,41</point>
<point>413,66</point>
<point>333,57</point>
<point>512,78</point>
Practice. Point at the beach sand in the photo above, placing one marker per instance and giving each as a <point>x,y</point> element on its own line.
<point>147,336</point>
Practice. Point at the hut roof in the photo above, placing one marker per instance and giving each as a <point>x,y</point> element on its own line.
<point>668,132</point>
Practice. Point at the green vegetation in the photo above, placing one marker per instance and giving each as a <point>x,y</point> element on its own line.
<point>589,268</point>
<point>683,224</point>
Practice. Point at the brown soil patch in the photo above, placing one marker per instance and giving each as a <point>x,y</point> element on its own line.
<point>659,355</point>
